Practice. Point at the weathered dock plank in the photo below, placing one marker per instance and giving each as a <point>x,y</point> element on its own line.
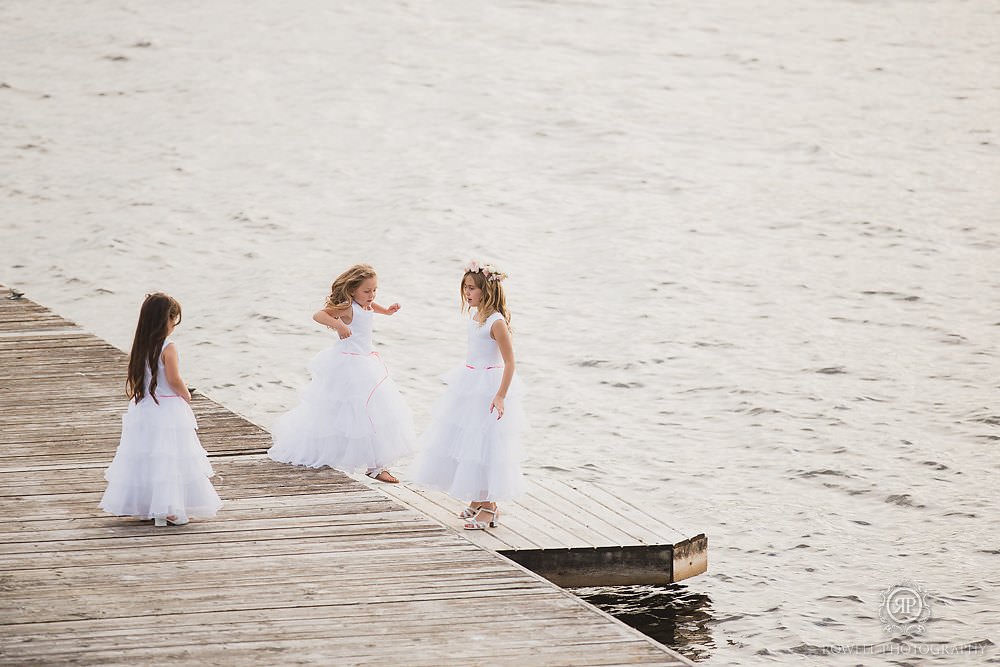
<point>300,567</point>
<point>576,535</point>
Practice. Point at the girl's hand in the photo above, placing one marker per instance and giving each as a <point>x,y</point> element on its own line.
<point>392,309</point>
<point>498,404</point>
<point>344,332</point>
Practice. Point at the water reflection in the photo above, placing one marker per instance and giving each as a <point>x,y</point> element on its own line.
<point>673,614</point>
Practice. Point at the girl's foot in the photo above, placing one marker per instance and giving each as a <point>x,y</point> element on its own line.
<point>470,511</point>
<point>383,476</point>
<point>161,521</point>
<point>490,513</point>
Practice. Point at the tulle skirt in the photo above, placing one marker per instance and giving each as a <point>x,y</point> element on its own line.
<point>350,417</point>
<point>467,452</point>
<point>160,468</point>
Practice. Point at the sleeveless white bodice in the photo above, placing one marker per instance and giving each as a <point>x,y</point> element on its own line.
<point>483,351</point>
<point>360,340</point>
<point>163,387</point>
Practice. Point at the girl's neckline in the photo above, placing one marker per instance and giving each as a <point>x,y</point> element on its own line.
<point>482,323</point>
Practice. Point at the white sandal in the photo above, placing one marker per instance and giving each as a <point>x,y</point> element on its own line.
<point>469,512</point>
<point>161,521</point>
<point>476,524</point>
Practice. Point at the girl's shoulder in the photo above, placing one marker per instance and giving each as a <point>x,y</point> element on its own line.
<point>169,349</point>
<point>490,322</point>
<point>346,311</point>
<point>339,310</point>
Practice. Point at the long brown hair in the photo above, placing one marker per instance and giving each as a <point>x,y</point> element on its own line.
<point>347,283</point>
<point>157,312</point>
<point>493,301</point>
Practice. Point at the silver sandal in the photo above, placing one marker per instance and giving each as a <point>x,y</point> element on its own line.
<point>476,524</point>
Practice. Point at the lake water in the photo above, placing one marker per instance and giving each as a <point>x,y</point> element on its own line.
<point>751,247</point>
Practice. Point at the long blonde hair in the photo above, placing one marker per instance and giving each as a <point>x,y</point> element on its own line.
<point>493,301</point>
<point>347,283</point>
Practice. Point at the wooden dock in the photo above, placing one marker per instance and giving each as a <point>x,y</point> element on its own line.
<point>300,567</point>
<point>576,535</point>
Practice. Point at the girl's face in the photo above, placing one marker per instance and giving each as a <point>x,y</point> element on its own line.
<point>473,293</point>
<point>365,294</point>
<point>171,324</point>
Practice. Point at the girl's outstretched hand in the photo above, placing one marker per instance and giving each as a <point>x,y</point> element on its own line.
<point>392,309</point>
<point>498,404</point>
<point>344,332</point>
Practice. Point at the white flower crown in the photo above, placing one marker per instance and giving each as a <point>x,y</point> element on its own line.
<point>492,273</point>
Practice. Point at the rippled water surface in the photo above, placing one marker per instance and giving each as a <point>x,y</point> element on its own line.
<point>752,249</point>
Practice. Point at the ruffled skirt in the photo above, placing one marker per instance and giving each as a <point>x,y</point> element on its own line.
<point>160,468</point>
<point>350,417</point>
<point>468,452</point>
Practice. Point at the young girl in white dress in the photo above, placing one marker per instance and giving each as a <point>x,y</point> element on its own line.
<point>160,470</point>
<point>472,449</point>
<point>350,416</point>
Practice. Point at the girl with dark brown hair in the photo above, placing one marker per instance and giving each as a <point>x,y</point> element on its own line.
<point>160,470</point>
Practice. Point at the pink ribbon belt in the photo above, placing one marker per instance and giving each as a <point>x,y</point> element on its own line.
<point>377,384</point>
<point>482,368</point>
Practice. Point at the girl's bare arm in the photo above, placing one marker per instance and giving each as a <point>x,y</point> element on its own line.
<point>334,318</point>
<point>501,334</point>
<point>171,367</point>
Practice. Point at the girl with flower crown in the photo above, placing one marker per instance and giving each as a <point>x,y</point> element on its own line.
<point>471,449</point>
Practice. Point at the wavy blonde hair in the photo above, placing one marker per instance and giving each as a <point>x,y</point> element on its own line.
<point>494,299</point>
<point>343,288</point>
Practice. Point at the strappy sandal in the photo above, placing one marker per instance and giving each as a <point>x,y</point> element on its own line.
<point>469,512</point>
<point>476,524</point>
<point>378,476</point>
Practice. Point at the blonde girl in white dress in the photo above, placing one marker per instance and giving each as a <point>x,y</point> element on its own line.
<point>472,448</point>
<point>350,416</point>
